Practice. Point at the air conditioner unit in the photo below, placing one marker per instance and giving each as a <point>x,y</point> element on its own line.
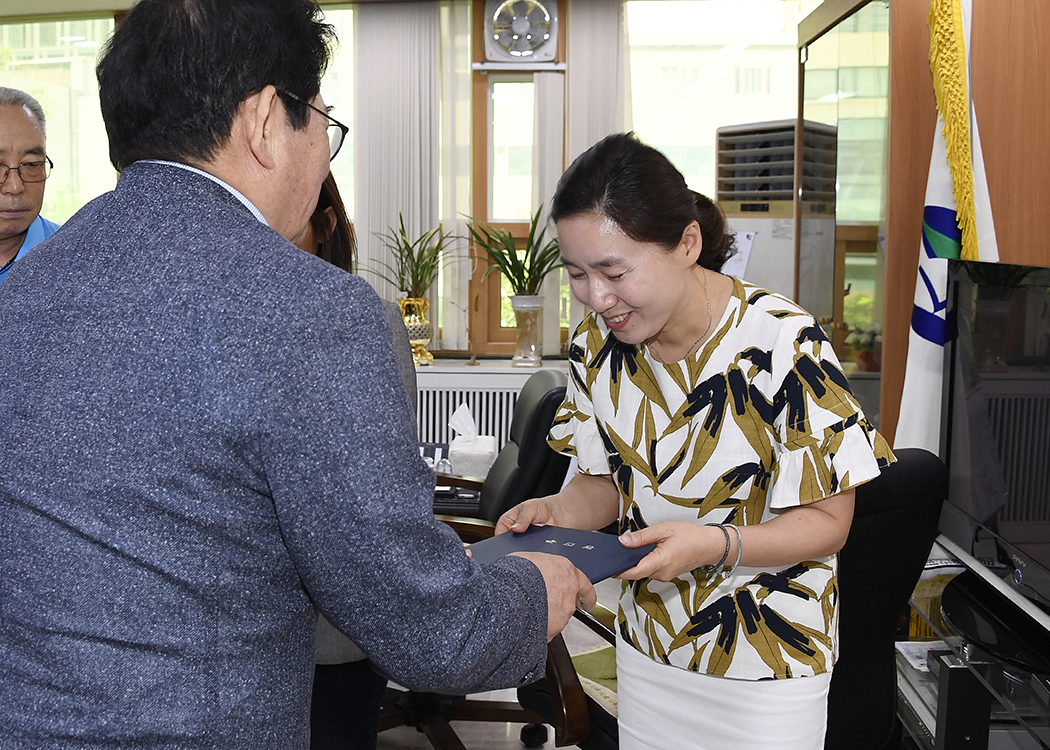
<point>756,184</point>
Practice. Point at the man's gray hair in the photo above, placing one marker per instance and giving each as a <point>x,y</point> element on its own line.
<point>20,98</point>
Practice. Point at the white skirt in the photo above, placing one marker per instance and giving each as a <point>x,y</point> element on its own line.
<point>666,708</point>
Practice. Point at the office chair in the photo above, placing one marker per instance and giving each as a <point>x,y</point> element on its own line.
<point>525,467</point>
<point>561,700</point>
<point>894,526</point>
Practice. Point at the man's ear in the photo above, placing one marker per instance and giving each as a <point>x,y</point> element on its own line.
<point>259,115</point>
<point>329,219</point>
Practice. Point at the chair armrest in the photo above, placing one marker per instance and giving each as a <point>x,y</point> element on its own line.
<point>458,480</point>
<point>601,620</point>
<point>469,529</point>
<point>572,719</point>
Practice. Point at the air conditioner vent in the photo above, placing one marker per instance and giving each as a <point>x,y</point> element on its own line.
<point>756,164</point>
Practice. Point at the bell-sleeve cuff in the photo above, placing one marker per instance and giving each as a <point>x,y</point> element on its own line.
<point>850,454</point>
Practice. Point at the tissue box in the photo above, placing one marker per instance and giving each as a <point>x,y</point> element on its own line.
<point>472,458</point>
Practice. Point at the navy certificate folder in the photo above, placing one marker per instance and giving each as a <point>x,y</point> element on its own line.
<point>597,555</point>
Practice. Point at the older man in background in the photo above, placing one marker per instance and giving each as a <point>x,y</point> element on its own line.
<point>204,434</point>
<point>24,166</point>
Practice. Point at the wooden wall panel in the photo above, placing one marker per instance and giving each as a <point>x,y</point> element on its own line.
<point>1011,92</point>
<point>913,115</point>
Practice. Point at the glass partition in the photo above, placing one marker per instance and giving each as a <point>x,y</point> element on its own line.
<point>846,85</point>
<point>697,65</point>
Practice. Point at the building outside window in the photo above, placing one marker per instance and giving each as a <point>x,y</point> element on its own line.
<point>719,62</point>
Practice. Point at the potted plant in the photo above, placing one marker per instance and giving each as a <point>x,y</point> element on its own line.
<point>524,269</point>
<point>413,270</point>
<point>867,346</point>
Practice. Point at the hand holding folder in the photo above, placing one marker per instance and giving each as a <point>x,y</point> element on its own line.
<point>597,555</point>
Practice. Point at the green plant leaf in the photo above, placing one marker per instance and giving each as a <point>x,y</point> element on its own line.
<point>524,268</point>
<point>416,263</point>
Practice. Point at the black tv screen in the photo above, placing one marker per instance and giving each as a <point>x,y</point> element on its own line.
<point>996,439</point>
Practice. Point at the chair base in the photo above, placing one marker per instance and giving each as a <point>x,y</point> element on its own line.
<point>430,713</point>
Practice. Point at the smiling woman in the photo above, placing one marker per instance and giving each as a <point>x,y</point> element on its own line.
<point>710,417</point>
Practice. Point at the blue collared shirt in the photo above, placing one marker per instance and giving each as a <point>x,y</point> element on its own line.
<point>38,231</point>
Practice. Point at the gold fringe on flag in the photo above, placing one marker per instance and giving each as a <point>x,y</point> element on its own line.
<point>948,64</point>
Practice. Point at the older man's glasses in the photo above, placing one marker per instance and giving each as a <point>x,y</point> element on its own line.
<point>28,171</point>
<point>337,130</point>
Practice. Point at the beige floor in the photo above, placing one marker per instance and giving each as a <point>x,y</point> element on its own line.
<point>475,735</point>
<point>484,736</point>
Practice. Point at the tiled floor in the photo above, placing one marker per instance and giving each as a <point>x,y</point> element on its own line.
<point>475,735</point>
<point>491,736</point>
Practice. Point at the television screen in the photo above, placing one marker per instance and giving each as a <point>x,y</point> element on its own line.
<point>996,439</point>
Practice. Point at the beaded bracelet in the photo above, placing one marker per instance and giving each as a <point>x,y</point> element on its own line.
<point>720,563</point>
<point>739,551</point>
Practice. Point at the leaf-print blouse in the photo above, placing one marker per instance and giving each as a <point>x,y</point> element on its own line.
<point>759,420</point>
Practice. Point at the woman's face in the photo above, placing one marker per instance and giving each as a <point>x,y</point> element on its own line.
<point>641,290</point>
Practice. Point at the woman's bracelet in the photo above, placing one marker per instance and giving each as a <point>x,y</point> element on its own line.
<point>739,551</point>
<point>725,555</point>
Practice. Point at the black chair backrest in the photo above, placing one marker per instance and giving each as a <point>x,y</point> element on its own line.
<point>894,526</point>
<point>526,466</point>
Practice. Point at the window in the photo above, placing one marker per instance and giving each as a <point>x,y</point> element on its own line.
<point>718,62</point>
<point>504,155</point>
<point>752,81</point>
<point>54,61</point>
<point>505,198</point>
<point>867,82</point>
<point>675,80</point>
<point>510,153</point>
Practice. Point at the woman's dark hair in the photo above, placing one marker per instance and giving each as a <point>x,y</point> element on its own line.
<point>339,246</point>
<point>175,71</point>
<point>638,188</point>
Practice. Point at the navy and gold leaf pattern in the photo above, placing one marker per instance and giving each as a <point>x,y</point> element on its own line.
<point>759,420</point>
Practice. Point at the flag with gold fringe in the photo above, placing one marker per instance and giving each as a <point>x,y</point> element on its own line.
<point>957,221</point>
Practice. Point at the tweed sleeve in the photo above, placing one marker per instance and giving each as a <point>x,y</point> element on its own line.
<point>354,501</point>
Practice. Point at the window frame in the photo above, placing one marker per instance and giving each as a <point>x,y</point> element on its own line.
<point>487,336</point>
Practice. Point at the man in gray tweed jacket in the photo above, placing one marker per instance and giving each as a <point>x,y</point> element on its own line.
<point>204,437</point>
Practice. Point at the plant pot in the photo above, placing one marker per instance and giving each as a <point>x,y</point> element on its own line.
<point>420,332</point>
<point>867,361</point>
<point>528,309</point>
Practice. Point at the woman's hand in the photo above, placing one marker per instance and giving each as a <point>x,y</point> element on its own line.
<point>541,511</point>
<point>588,501</point>
<point>681,546</point>
<point>807,532</point>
